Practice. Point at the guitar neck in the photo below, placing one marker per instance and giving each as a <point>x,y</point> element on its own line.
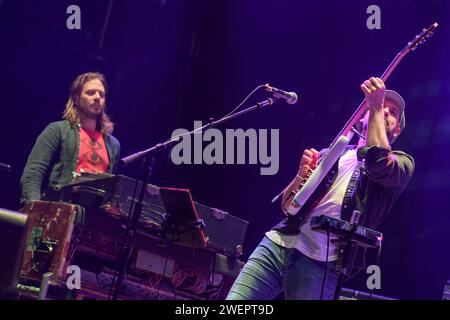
<point>412,45</point>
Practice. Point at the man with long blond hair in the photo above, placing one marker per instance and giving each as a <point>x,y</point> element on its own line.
<point>81,142</point>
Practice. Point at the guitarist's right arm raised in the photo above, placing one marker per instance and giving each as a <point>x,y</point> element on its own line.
<point>379,121</point>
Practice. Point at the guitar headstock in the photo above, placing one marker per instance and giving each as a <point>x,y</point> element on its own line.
<point>422,37</point>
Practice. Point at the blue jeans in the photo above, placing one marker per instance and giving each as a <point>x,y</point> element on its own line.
<point>272,269</point>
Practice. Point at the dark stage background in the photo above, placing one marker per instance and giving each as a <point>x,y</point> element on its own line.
<point>170,62</point>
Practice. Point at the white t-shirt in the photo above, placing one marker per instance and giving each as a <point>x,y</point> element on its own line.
<point>312,243</point>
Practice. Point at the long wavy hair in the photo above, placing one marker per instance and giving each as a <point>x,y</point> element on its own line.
<point>71,114</point>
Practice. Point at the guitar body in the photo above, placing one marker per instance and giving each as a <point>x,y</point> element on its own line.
<point>317,175</point>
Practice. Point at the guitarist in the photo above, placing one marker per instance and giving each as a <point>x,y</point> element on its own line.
<point>368,177</point>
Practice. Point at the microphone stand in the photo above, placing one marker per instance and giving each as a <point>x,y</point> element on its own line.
<point>148,161</point>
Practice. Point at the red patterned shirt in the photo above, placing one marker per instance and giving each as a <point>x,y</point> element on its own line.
<point>92,154</point>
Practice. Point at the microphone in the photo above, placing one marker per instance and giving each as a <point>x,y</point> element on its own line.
<point>290,97</point>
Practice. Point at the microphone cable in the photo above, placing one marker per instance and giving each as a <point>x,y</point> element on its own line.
<point>197,130</point>
<point>245,100</point>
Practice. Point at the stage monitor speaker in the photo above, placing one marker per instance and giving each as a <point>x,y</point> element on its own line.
<point>13,230</point>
